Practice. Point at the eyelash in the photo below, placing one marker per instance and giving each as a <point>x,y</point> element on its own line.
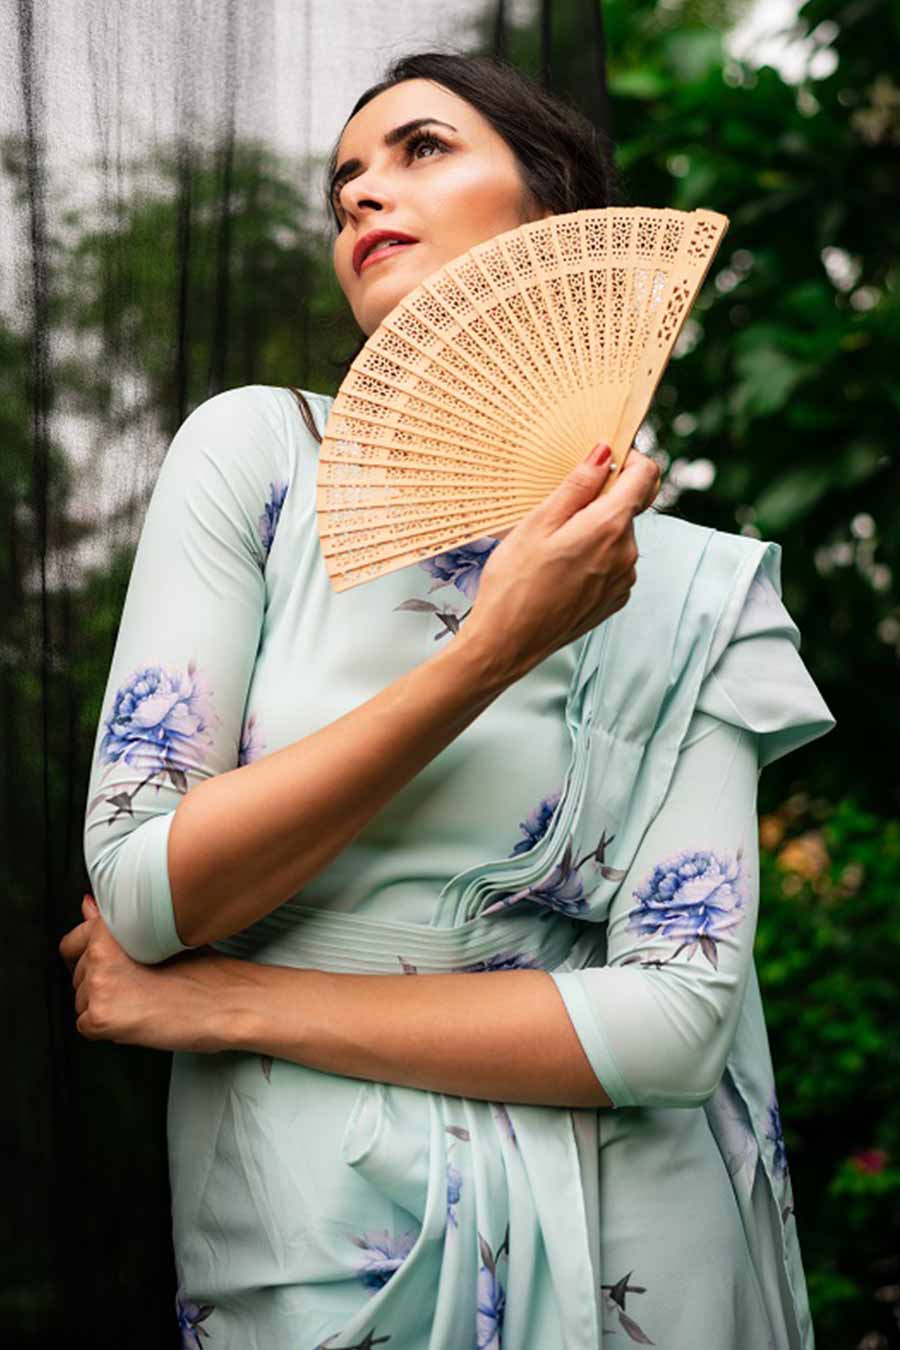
<point>412,143</point>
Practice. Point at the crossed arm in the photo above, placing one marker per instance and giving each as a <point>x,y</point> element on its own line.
<point>174,869</point>
<point>652,1026</point>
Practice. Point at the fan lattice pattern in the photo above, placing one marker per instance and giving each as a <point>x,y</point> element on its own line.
<point>490,380</point>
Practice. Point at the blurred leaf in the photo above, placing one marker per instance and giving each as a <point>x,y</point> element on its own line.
<point>693,53</point>
<point>638,82</point>
<point>790,496</point>
<point>767,377</point>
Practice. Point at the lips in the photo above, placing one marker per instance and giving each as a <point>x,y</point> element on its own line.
<point>374,254</point>
<point>365,245</point>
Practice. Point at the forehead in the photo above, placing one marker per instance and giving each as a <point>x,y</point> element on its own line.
<point>401,103</point>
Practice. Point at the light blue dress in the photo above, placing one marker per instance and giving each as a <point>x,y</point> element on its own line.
<point>597,821</point>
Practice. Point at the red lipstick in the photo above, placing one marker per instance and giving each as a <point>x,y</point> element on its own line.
<point>368,241</point>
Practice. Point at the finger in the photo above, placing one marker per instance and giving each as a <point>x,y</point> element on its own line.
<point>579,487</point>
<point>73,943</point>
<point>636,484</point>
<point>79,973</point>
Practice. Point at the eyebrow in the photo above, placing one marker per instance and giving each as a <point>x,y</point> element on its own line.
<point>390,138</point>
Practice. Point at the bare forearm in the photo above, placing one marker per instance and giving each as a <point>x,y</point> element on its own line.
<point>496,1036</point>
<point>243,842</point>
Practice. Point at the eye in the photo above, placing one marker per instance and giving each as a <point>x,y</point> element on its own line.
<point>422,138</point>
<point>410,145</point>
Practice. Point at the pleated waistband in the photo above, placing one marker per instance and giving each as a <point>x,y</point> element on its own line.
<point>313,938</point>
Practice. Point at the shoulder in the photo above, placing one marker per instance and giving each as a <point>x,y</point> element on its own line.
<point>756,678</point>
<point>681,563</point>
<point>252,431</point>
<point>253,408</point>
<point>761,682</point>
<point>662,537</point>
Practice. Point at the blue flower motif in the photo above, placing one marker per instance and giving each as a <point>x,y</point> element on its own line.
<point>490,1310</point>
<point>189,1315</point>
<point>161,720</point>
<point>536,823</point>
<point>502,961</point>
<point>454,1191</point>
<point>775,1136</point>
<point>268,521</point>
<point>461,566</point>
<point>252,743</point>
<point>383,1254</point>
<point>693,897</point>
<point>560,890</point>
<point>502,1117</point>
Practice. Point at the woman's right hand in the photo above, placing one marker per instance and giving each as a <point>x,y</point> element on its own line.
<point>564,568</point>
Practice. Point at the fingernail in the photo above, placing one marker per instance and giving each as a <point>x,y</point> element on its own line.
<point>600,454</point>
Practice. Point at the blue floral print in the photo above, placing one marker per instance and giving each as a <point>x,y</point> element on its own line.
<point>268,521</point>
<point>505,1125</point>
<point>776,1138</point>
<point>189,1315</point>
<point>694,897</point>
<point>454,1191</point>
<point>779,1156</point>
<point>383,1254</point>
<point>505,960</point>
<point>162,723</point>
<point>491,1304</point>
<point>252,743</point>
<point>460,567</point>
<point>536,823</point>
<point>562,889</point>
<point>454,1176</point>
<point>729,1119</point>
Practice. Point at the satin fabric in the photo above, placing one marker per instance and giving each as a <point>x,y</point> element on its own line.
<point>310,1209</point>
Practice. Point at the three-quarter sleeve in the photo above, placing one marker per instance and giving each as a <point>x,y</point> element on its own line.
<point>658,1019</point>
<point>189,632</point>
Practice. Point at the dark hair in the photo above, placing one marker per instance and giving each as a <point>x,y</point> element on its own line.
<point>565,161</point>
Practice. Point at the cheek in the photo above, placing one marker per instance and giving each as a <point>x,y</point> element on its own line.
<point>475,202</point>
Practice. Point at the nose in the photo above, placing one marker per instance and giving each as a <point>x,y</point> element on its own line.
<point>363,192</point>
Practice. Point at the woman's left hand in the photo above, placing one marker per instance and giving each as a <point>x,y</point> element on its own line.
<point>180,1004</point>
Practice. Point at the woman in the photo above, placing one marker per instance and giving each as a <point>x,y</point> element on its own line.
<point>305,786</point>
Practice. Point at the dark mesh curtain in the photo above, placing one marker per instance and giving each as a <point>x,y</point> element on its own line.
<point>162,240</point>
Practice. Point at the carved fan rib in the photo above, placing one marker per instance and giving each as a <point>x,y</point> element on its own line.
<point>490,380</point>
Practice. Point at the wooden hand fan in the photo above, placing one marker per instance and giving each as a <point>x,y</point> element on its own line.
<point>487,383</point>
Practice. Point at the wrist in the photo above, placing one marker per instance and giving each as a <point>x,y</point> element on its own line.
<point>479,661</point>
<point>268,1011</point>
<point>240,1016</point>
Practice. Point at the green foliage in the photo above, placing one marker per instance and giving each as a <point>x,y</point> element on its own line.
<point>826,951</point>
<point>786,378</point>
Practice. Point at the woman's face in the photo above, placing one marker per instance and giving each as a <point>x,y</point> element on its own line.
<point>447,196</point>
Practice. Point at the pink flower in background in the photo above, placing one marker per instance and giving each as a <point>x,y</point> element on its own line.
<point>869,1160</point>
